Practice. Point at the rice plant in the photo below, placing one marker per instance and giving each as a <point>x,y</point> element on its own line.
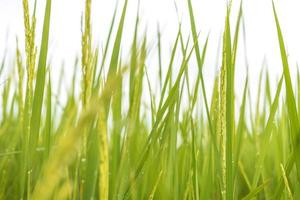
<point>116,137</point>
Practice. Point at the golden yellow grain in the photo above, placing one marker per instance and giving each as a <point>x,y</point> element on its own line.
<point>86,49</point>
<point>62,155</point>
<point>222,125</point>
<point>104,162</point>
<point>215,104</point>
<point>27,26</point>
<point>30,48</point>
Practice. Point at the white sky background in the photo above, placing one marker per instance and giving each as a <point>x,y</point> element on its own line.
<point>261,36</point>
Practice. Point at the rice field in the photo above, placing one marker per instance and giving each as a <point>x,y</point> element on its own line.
<point>116,137</point>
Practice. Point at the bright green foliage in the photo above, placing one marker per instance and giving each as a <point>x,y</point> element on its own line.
<point>123,136</point>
